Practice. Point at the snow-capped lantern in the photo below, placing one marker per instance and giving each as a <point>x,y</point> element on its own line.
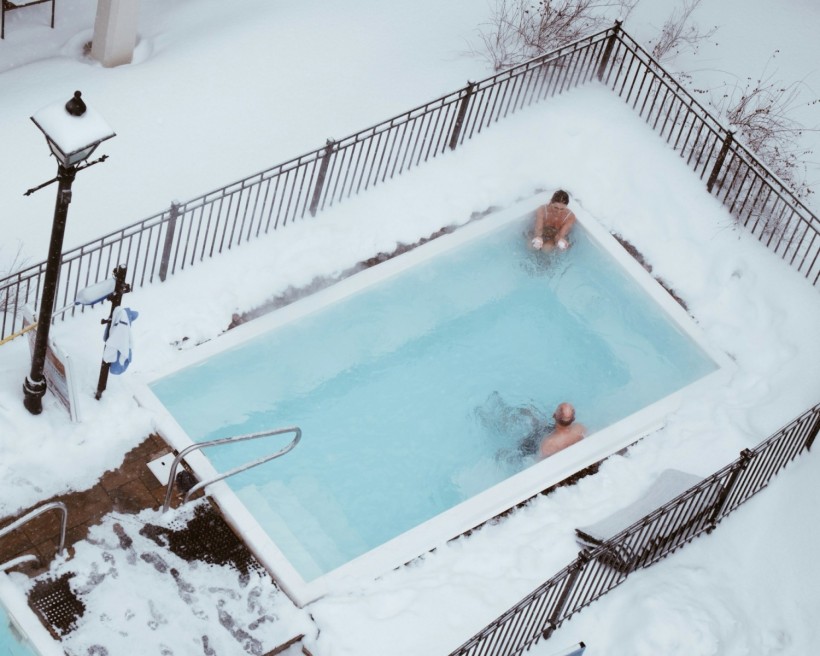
<point>73,130</point>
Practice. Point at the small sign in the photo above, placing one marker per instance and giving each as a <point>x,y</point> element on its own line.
<point>57,369</point>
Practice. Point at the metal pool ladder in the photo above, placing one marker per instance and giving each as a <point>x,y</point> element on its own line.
<point>25,519</point>
<point>227,440</point>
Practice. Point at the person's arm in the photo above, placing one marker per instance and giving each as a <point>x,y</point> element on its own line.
<point>561,236</point>
<point>540,217</point>
<point>566,226</point>
<point>545,449</point>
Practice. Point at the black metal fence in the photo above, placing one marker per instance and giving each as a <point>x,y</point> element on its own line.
<point>192,231</point>
<point>751,192</point>
<point>597,571</point>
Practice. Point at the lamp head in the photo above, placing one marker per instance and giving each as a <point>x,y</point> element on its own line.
<point>73,130</point>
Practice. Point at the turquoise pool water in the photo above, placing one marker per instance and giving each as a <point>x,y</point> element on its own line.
<point>416,393</point>
<point>10,643</point>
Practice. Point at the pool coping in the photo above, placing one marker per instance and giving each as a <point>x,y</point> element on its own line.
<point>483,506</point>
<point>25,622</point>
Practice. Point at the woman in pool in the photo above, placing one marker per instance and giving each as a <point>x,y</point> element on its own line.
<point>553,222</point>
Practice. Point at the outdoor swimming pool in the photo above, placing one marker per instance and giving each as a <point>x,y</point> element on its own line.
<point>414,384</point>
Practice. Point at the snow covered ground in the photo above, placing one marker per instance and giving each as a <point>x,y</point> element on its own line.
<point>185,607</point>
<point>217,93</point>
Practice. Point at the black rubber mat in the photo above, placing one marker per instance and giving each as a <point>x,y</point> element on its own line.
<point>205,537</point>
<point>56,604</point>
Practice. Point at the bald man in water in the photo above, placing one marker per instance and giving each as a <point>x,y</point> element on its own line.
<point>566,432</point>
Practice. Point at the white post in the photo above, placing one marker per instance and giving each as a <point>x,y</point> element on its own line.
<point>115,32</point>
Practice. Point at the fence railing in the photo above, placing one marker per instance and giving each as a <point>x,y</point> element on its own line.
<point>597,571</point>
<point>751,192</point>
<point>192,231</point>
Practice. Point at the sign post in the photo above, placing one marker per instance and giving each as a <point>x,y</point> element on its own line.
<point>56,369</point>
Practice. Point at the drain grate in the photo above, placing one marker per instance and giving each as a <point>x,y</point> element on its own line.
<point>56,604</point>
<point>205,537</point>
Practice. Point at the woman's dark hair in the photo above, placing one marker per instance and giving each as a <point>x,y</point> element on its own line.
<point>560,196</point>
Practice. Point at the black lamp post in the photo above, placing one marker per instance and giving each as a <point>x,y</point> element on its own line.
<point>73,131</point>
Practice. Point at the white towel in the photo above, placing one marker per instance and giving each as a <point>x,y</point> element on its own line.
<point>118,345</point>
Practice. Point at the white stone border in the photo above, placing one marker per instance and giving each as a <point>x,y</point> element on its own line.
<point>485,505</point>
<point>25,622</point>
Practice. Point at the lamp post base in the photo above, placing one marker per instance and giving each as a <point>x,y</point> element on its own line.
<point>33,393</point>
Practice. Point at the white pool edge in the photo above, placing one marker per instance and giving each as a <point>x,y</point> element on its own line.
<point>485,505</point>
<point>25,622</point>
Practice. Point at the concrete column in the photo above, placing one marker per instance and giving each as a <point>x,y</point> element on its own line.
<point>115,32</point>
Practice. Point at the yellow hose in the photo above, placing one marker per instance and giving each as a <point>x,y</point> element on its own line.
<point>18,333</point>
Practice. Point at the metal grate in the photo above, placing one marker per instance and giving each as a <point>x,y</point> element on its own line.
<point>56,604</point>
<point>207,538</point>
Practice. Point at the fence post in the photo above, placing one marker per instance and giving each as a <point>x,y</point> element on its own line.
<point>569,584</point>
<point>320,179</point>
<point>610,44</point>
<point>745,458</point>
<point>462,112</point>
<point>727,142</point>
<point>813,433</point>
<point>169,241</point>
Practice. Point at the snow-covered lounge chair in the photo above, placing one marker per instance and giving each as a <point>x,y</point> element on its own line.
<point>657,530</point>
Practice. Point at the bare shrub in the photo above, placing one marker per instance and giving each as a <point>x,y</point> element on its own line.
<point>679,34</point>
<point>761,112</point>
<point>16,263</point>
<point>519,30</point>
<point>8,303</point>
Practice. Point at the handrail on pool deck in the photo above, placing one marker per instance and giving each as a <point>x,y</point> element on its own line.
<point>227,440</point>
<point>54,505</point>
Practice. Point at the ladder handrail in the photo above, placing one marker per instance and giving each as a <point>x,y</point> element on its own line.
<point>14,562</point>
<point>25,519</point>
<point>227,440</point>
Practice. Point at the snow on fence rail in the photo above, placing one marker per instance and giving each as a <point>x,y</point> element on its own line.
<point>598,570</point>
<point>200,228</point>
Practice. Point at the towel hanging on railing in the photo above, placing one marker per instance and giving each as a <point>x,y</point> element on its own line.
<point>118,340</point>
